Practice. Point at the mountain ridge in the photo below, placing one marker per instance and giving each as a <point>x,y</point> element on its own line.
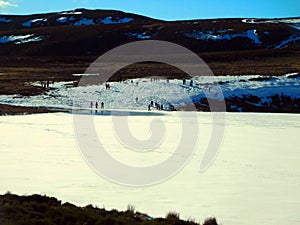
<point>149,17</point>
<point>92,30</point>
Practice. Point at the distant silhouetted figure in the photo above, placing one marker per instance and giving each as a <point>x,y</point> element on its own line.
<point>151,103</point>
<point>149,107</point>
<point>92,104</point>
<point>96,104</point>
<point>136,99</point>
<point>191,83</point>
<point>102,105</point>
<point>162,107</point>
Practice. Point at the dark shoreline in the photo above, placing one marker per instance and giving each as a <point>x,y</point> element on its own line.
<point>11,110</point>
<point>43,210</point>
<point>21,110</point>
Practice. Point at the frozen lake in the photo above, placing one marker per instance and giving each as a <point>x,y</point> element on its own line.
<point>254,180</point>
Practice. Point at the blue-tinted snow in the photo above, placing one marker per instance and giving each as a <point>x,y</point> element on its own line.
<point>84,21</point>
<point>88,21</point>
<point>29,23</point>
<point>139,35</point>
<point>219,35</point>
<point>110,20</point>
<point>62,19</point>
<point>285,43</point>
<point>4,20</point>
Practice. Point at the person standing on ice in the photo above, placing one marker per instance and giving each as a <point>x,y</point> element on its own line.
<point>191,83</point>
<point>92,104</point>
<point>96,104</point>
<point>102,105</point>
<point>149,107</point>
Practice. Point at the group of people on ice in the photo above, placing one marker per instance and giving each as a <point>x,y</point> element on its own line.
<point>156,105</point>
<point>107,87</point>
<point>46,84</point>
<point>97,105</point>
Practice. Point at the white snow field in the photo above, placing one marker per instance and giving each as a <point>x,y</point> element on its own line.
<point>123,95</point>
<point>254,180</point>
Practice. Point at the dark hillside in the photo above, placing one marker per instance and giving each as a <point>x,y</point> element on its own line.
<point>36,210</point>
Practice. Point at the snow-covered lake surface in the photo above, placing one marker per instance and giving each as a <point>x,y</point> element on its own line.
<point>254,180</point>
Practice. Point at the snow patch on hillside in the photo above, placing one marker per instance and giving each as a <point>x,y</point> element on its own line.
<point>39,22</point>
<point>285,43</point>
<point>110,20</point>
<point>125,20</point>
<point>262,21</point>
<point>140,35</point>
<point>62,19</point>
<point>4,20</point>
<point>71,13</point>
<point>84,21</point>
<point>87,21</point>
<point>217,36</point>
<point>20,39</point>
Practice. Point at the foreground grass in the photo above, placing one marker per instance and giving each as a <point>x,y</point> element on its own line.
<point>42,210</point>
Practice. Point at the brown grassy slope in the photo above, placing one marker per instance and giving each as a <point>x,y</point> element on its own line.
<point>16,72</point>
